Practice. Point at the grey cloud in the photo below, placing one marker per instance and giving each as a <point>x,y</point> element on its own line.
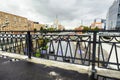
<point>66,10</point>
<point>50,10</point>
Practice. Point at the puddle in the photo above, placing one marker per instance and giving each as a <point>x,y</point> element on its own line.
<point>55,75</point>
<point>52,73</point>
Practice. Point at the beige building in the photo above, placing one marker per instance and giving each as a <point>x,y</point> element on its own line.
<point>38,26</point>
<point>79,28</point>
<point>57,25</point>
<point>99,23</point>
<point>61,27</point>
<point>96,24</point>
<point>11,22</point>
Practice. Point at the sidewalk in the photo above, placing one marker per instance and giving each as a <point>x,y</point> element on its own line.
<point>42,69</point>
<point>23,70</point>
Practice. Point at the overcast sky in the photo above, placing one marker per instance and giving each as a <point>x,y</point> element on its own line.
<point>70,12</point>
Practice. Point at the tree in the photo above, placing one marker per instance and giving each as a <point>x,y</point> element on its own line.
<point>86,28</point>
<point>51,29</point>
<point>41,29</point>
<point>95,29</point>
<point>35,30</point>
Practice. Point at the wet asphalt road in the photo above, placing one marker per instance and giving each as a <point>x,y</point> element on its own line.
<point>23,70</point>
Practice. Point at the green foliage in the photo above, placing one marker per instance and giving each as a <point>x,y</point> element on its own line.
<point>95,29</point>
<point>35,29</point>
<point>51,29</point>
<point>41,28</point>
<point>42,42</point>
<point>43,46</point>
<point>85,28</point>
<point>47,29</point>
<point>37,54</point>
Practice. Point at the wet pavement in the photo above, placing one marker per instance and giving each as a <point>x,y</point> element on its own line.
<point>11,69</point>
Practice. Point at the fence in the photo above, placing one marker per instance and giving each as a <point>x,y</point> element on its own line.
<point>96,48</point>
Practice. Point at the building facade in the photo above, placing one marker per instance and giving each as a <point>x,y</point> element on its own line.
<point>37,26</point>
<point>11,22</point>
<point>113,16</point>
<point>79,28</point>
<point>99,23</point>
<point>57,25</point>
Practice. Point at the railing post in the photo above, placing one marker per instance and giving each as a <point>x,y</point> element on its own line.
<point>29,44</point>
<point>93,70</point>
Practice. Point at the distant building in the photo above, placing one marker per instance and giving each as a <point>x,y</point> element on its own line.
<point>60,27</point>
<point>79,28</point>
<point>57,25</point>
<point>11,22</point>
<point>99,23</point>
<point>38,26</point>
<point>104,24</point>
<point>113,16</point>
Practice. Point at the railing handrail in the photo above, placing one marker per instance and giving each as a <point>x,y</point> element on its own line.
<point>64,31</point>
<point>93,41</point>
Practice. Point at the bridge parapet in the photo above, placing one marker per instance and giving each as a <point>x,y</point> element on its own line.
<point>92,48</point>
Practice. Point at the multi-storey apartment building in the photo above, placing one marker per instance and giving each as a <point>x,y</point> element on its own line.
<point>113,16</point>
<point>11,22</point>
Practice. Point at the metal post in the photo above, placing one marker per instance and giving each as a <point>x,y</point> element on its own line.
<point>29,44</point>
<point>93,71</point>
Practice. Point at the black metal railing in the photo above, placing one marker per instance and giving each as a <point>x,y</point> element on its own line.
<point>108,50</point>
<point>96,48</point>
